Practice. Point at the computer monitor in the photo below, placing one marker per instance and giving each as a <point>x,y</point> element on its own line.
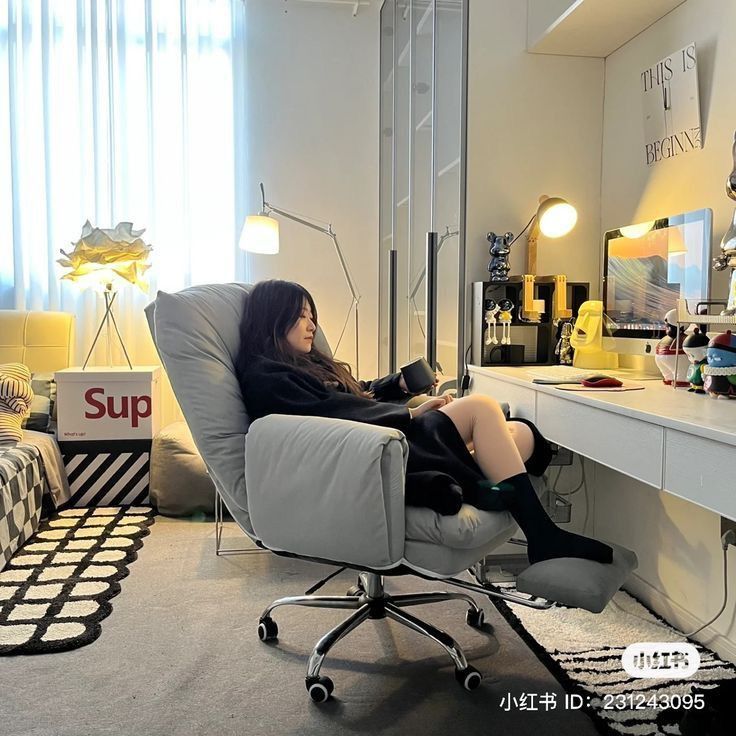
<point>647,267</point>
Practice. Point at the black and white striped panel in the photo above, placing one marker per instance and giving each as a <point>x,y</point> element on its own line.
<point>107,473</point>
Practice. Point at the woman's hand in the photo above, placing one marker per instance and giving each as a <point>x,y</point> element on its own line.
<point>435,402</point>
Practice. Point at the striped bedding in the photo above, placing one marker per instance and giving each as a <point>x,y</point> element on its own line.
<point>22,485</point>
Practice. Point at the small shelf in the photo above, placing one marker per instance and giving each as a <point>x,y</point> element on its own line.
<point>447,169</point>
<point>598,27</point>
<point>685,316</point>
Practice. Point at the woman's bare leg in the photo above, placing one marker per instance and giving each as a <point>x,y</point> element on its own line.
<point>480,420</point>
<point>522,437</point>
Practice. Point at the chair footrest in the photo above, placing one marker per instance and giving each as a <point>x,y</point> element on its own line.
<point>576,582</point>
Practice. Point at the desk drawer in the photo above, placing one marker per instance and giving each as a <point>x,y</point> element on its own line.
<point>630,446</point>
<point>702,471</point>
<point>520,399</point>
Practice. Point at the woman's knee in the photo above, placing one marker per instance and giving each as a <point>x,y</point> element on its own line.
<point>486,403</point>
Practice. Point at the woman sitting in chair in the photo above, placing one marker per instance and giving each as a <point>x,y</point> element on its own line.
<point>281,372</point>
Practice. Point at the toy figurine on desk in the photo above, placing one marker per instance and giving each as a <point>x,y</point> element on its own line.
<point>504,317</point>
<point>720,373</point>
<point>695,347</point>
<point>500,248</point>
<point>727,259</point>
<point>564,351</point>
<point>490,317</point>
<point>668,348</point>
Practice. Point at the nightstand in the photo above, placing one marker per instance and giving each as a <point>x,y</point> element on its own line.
<point>106,420</point>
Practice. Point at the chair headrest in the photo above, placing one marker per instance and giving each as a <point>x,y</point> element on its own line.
<point>197,334</point>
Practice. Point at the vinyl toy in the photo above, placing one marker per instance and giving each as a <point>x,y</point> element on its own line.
<point>668,349</point>
<point>563,350</point>
<point>504,317</point>
<point>500,248</point>
<point>720,373</point>
<point>695,347</point>
<point>490,316</point>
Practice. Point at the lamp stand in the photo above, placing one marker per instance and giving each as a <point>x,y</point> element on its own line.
<point>267,209</point>
<point>108,321</point>
<point>531,248</point>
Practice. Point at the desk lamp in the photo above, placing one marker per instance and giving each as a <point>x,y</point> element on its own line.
<point>553,218</point>
<point>260,234</point>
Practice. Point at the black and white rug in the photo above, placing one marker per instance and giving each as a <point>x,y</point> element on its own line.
<point>583,650</point>
<point>56,589</point>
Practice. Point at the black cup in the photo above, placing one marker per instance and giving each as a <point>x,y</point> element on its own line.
<point>418,376</point>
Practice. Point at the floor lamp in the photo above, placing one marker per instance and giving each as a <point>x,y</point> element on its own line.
<point>260,234</point>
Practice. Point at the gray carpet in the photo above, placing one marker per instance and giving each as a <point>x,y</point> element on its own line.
<point>180,655</point>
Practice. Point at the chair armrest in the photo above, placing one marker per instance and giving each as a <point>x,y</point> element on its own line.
<point>327,488</point>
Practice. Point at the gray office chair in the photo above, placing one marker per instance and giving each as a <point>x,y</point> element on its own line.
<point>331,490</point>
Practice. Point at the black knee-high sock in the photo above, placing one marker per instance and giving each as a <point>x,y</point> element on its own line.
<point>544,538</point>
<point>541,454</point>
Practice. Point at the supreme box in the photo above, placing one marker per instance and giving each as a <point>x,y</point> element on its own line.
<point>107,473</point>
<point>106,420</point>
<point>107,403</point>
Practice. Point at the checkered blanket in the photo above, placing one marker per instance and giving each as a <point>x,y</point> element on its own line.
<point>22,482</point>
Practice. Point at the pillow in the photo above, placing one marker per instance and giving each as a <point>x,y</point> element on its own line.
<point>15,401</point>
<point>43,403</point>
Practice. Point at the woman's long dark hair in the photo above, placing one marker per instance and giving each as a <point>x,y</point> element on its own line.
<point>271,310</point>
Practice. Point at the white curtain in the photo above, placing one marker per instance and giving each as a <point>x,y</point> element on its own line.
<point>120,110</point>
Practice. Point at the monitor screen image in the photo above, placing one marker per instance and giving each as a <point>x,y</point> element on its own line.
<point>649,266</point>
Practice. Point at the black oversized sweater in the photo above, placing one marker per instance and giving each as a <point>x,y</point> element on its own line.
<point>438,458</point>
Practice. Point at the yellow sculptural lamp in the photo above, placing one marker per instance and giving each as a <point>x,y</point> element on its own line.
<point>554,218</point>
<point>587,339</point>
<point>104,260</point>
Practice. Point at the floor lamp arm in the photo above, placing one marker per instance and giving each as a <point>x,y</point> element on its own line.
<point>269,208</point>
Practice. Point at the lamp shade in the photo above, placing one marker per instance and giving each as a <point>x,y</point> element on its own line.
<point>260,234</point>
<point>108,258</point>
<point>556,217</point>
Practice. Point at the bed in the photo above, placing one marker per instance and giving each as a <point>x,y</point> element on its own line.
<point>32,469</point>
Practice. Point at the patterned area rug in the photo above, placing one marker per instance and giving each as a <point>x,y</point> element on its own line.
<point>583,650</point>
<point>56,589</point>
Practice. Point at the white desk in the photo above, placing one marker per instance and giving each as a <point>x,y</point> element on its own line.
<point>676,441</point>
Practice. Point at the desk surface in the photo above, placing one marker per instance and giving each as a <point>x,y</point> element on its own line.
<point>656,403</point>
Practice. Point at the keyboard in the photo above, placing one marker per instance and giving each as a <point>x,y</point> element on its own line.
<point>560,374</point>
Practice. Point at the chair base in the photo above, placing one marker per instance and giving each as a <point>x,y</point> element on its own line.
<point>369,600</point>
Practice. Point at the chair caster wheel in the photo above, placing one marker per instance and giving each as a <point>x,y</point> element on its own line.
<point>357,590</point>
<point>469,678</point>
<point>319,688</point>
<point>267,629</point>
<point>475,619</point>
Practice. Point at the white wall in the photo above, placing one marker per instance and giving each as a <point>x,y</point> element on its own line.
<point>313,131</point>
<point>677,542</point>
<point>635,192</point>
<point>534,127</point>
<point>542,13</point>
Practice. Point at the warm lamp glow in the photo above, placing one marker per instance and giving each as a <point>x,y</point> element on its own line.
<point>260,234</point>
<point>556,217</point>
<point>637,231</point>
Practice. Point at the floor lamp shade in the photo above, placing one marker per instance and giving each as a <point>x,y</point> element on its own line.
<point>260,234</point>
